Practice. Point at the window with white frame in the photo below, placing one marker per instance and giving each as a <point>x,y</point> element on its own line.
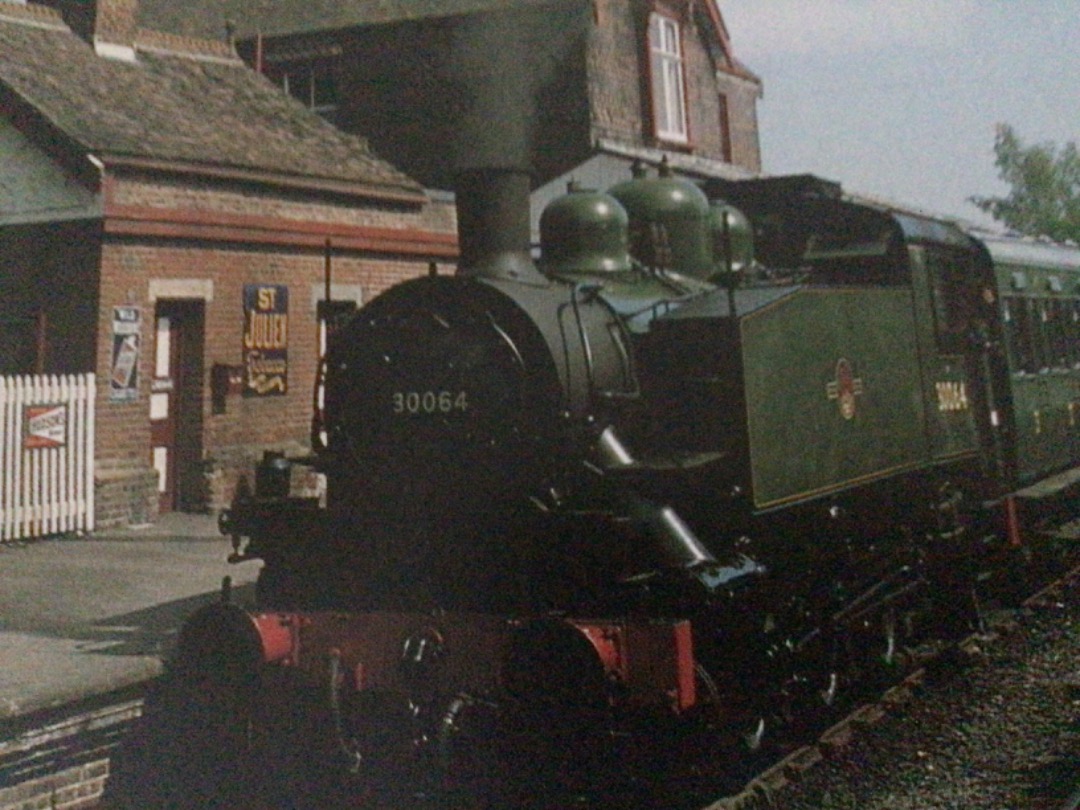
<point>668,91</point>
<point>311,83</point>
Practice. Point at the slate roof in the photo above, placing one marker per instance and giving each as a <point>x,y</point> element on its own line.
<point>174,108</point>
<point>207,18</point>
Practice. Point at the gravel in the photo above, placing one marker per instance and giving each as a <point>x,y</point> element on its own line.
<point>1001,733</point>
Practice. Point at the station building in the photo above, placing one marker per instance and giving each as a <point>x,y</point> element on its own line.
<point>170,220</point>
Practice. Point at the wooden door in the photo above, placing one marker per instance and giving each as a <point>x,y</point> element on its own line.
<point>164,405</point>
<point>175,403</point>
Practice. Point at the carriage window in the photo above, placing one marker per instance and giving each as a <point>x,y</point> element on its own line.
<point>1043,348</point>
<point>1058,331</point>
<point>1021,329</point>
<point>1074,330</point>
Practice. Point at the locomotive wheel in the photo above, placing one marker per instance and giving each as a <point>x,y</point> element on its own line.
<point>291,742</point>
<point>189,749</point>
<point>469,766</point>
<point>220,730</point>
<point>553,728</point>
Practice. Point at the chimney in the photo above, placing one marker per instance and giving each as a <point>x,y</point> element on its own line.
<point>115,24</point>
<point>493,224</point>
<point>491,153</point>
<point>109,25</point>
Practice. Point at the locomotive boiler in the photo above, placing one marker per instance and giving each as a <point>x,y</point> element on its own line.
<point>614,511</point>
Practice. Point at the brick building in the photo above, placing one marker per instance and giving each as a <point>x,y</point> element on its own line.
<point>586,85</point>
<point>167,217</point>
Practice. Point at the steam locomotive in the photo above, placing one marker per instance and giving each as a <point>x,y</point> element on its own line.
<point>632,504</point>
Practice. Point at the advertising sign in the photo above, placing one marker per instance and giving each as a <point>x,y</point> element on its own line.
<point>124,377</point>
<point>46,426</point>
<point>266,339</point>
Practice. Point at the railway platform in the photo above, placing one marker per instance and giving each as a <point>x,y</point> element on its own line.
<point>88,616</point>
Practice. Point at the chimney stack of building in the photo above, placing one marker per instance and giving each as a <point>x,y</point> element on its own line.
<point>115,23</point>
<point>109,25</point>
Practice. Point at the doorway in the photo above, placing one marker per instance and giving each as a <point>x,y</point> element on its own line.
<point>176,396</point>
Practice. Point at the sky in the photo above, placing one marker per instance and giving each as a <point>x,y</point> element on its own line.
<point>899,99</point>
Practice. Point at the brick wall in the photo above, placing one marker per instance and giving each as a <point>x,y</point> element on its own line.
<point>39,260</point>
<point>617,90</point>
<point>742,98</point>
<point>125,497</point>
<point>115,21</point>
<point>620,95</point>
<point>78,788</point>
<point>403,89</point>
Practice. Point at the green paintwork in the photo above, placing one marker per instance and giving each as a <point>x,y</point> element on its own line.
<point>1045,394</point>
<point>948,390</point>
<point>876,351</point>
<point>810,433</point>
<point>585,232</point>
<point>668,223</point>
<point>737,238</point>
<point>950,423</point>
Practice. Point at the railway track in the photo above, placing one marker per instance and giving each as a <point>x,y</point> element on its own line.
<point>842,739</point>
<point>761,790</point>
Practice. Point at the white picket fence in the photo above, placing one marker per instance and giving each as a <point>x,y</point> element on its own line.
<point>46,455</point>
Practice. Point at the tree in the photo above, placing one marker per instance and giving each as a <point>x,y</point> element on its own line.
<point>1045,180</point>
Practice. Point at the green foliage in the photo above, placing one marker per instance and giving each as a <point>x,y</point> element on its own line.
<point>1045,180</point>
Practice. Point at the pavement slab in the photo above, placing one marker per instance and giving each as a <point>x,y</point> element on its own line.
<point>86,616</point>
